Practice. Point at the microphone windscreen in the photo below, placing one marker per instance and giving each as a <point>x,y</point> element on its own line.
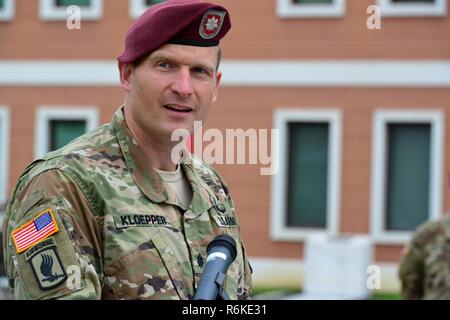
<point>226,241</point>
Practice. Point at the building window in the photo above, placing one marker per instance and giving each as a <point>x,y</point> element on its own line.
<point>57,9</point>
<point>310,8</point>
<point>55,127</point>
<point>406,173</point>
<point>305,190</point>
<point>412,8</point>
<point>307,178</point>
<point>6,10</point>
<point>137,7</point>
<point>66,3</point>
<point>4,155</point>
<point>64,131</point>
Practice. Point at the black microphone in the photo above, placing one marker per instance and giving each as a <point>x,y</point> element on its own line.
<point>221,253</point>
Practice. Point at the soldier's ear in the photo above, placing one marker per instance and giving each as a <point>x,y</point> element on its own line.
<point>125,70</point>
<point>216,88</point>
<point>448,177</point>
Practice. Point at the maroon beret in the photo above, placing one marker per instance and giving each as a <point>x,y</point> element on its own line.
<point>187,22</point>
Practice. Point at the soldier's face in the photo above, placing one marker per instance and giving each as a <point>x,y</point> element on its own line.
<point>174,86</point>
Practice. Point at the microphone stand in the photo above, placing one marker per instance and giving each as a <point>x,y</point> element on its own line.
<point>222,294</point>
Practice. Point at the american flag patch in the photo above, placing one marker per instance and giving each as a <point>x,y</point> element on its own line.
<point>41,227</point>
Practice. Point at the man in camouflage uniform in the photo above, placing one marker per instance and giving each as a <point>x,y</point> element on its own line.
<point>425,267</point>
<point>103,217</point>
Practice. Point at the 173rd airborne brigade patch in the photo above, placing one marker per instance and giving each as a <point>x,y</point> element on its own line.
<point>42,256</point>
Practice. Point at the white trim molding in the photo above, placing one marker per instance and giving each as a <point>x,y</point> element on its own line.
<point>45,114</point>
<point>49,11</point>
<point>244,73</point>
<point>59,73</point>
<point>412,9</point>
<point>381,119</point>
<point>282,117</point>
<point>4,152</point>
<point>288,9</point>
<point>7,12</point>
<point>282,273</point>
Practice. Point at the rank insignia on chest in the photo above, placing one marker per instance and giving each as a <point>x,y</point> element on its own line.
<point>34,231</point>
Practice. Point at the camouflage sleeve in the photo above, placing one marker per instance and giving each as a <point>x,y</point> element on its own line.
<point>53,249</point>
<point>411,271</point>
<point>244,289</point>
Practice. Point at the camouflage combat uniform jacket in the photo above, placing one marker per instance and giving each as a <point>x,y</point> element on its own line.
<point>425,267</point>
<point>121,234</point>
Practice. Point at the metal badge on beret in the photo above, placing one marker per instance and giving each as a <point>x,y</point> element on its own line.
<point>211,23</point>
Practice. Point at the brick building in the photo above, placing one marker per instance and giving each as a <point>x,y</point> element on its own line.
<point>362,112</point>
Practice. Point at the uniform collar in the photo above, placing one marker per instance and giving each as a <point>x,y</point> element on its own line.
<point>148,180</point>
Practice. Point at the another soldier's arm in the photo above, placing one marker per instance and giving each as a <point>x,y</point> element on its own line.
<point>411,272</point>
<point>63,265</point>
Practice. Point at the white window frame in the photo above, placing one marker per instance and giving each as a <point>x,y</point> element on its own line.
<point>4,152</point>
<point>137,7</point>
<point>381,119</point>
<point>282,117</point>
<point>391,9</point>
<point>46,114</point>
<point>49,11</point>
<point>287,9</point>
<point>7,13</point>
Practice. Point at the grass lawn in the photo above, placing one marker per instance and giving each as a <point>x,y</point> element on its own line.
<point>262,290</point>
<point>275,293</point>
<point>386,296</point>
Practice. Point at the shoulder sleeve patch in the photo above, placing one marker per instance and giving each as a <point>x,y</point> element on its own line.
<point>45,254</point>
<point>34,231</point>
<point>46,264</point>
